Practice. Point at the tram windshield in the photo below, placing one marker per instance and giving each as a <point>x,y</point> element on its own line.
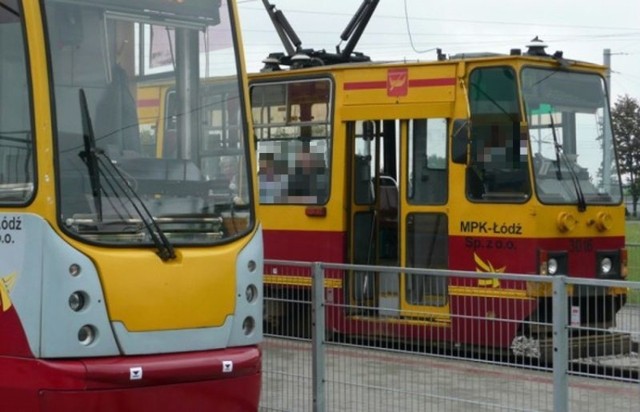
<point>498,169</point>
<point>16,137</point>
<point>114,186</point>
<point>570,137</point>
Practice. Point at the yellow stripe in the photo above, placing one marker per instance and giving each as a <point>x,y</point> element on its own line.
<point>6,284</point>
<point>488,292</point>
<point>453,290</point>
<point>485,292</point>
<point>4,298</point>
<point>416,321</point>
<point>299,281</point>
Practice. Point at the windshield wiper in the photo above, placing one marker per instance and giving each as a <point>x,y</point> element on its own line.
<point>98,164</point>
<point>582,203</point>
<point>89,156</point>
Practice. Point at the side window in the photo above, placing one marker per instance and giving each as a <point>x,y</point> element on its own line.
<point>293,130</point>
<point>498,170</point>
<point>364,162</point>
<point>16,136</point>
<point>427,161</point>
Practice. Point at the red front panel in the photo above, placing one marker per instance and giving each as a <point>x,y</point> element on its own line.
<point>13,342</point>
<point>520,255</point>
<point>187,381</point>
<point>229,395</point>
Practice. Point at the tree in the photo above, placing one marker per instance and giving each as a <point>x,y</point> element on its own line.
<point>625,117</point>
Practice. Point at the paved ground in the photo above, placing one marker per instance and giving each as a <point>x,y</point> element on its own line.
<point>361,379</point>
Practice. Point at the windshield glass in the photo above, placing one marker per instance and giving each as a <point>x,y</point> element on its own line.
<point>16,138</point>
<point>498,169</point>
<point>146,152</point>
<point>573,153</point>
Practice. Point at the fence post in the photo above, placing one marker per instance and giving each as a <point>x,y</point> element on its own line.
<point>317,337</point>
<point>560,345</point>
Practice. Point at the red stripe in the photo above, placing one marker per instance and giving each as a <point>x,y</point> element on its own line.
<point>365,85</point>
<point>148,102</point>
<point>447,81</point>
<point>305,245</point>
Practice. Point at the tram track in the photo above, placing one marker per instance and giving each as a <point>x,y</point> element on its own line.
<point>625,366</point>
<point>621,366</point>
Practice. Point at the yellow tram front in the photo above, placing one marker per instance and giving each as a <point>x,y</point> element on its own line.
<point>129,281</point>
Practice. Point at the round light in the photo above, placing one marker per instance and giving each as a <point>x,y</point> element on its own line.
<point>248,325</point>
<point>78,300</point>
<point>252,266</point>
<point>606,265</point>
<point>552,266</point>
<point>87,335</point>
<point>251,293</point>
<point>566,222</point>
<point>74,270</point>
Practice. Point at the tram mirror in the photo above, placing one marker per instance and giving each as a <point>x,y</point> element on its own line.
<point>367,130</point>
<point>459,141</point>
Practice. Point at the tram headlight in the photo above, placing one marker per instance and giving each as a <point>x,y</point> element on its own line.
<point>251,266</point>
<point>251,293</point>
<point>87,335</point>
<point>78,300</point>
<point>248,325</point>
<point>553,262</point>
<point>608,265</point>
<point>75,269</point>
<point>605,266</point>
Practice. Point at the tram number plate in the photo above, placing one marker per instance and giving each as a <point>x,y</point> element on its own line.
<point>580,245</point>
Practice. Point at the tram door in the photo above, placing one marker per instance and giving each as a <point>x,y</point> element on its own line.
<point>382,232</point>
<point>373,215</point>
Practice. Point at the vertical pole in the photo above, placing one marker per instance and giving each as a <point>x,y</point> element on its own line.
<point>606,135</point>
<point>560,345</point>
<point>606,60</point>
<point>317,337</point>
<point>187,84</point>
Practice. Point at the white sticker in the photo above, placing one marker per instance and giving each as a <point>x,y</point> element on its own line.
<point>575,315</point>
<point>135,373</point>
<point>227,366</point>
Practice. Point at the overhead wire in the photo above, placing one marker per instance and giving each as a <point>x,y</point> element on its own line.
<point>623,38</point>
<point>413,46</point>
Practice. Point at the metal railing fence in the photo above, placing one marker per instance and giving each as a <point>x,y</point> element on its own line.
<point>340,338</point>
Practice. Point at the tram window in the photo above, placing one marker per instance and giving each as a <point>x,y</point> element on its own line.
<point>428,161</point>
<point>16,137</point>
<point>364,162</point>
<point>427,248</point>
<point>293,172</point>
<point>498,169</point>
<point>292,127</point>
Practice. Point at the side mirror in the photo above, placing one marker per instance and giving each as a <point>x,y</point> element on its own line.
<point>460,141</point>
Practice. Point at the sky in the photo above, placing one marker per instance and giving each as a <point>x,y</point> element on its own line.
<point>412,30</point>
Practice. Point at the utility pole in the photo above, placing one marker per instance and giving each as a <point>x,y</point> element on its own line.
<point>606,60</point>
<point>606,136</point>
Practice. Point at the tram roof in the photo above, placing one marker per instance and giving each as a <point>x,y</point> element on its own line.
<point>546,60</point>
